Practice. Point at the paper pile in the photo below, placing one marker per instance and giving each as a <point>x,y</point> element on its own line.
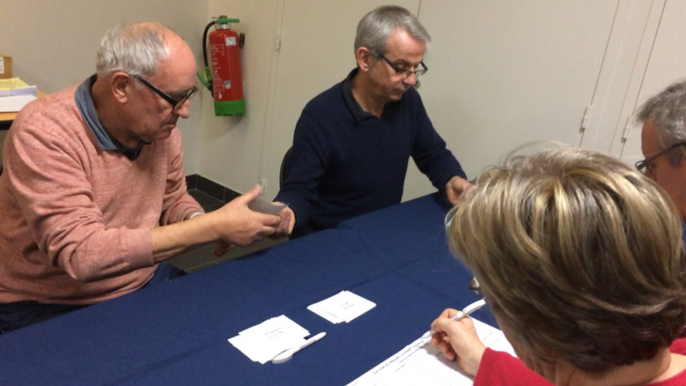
<point>266,340</point>
<point>15,94</point>
<point>342,307</point>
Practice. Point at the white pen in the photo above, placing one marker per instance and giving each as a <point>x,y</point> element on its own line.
<point>288,354</point>
<point>461,314</point>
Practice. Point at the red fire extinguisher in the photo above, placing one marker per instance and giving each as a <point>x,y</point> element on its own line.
<point>224,78</point>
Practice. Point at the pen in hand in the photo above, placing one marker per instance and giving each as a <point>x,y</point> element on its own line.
<point>461,314</point>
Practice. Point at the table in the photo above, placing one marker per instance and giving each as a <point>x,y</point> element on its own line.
<point>176,333</point>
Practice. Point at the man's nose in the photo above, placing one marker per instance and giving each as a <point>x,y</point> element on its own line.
<point>411,80</point>
<point>184,109</point>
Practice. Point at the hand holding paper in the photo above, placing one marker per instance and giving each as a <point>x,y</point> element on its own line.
<point>239,225</point>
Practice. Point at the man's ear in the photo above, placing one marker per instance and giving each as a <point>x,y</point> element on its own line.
<point>365,58</point>
<point>120,85</point>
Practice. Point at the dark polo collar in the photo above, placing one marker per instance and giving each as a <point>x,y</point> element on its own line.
<point>354,107</point>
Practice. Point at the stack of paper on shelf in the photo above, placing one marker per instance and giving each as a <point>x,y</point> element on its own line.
<point>15,94</point>
<point>268,339</point>
<point>342,307</point>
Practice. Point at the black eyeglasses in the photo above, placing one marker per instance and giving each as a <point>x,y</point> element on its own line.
<point>405,73</point>
<point>645,165</point>
<point>474,286</point>
<point>175,102</point>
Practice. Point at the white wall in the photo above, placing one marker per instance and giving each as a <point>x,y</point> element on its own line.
<point>485,49</point>
<point>53,43</point>
<point>666,63</point>
<point>500,74</point>
<point>231,147</point>
<point>505,73</point>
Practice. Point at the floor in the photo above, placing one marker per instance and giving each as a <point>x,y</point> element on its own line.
<point>204,256</point>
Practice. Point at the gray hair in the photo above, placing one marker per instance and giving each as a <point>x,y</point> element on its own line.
<point>376,26</point>
<point>668,112</point>
<point>135,49</point>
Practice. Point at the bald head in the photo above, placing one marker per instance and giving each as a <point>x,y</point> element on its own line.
<point>138,49</point>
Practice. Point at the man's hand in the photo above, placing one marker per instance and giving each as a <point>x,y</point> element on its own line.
<point>456,187</point>
<point>458,341</point>
<point>238,225</point>
<point>285,227</point>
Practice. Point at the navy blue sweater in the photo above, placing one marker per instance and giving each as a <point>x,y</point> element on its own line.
<point>346,162</point>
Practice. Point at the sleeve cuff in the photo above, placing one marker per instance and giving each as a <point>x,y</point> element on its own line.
<point>138,248</point>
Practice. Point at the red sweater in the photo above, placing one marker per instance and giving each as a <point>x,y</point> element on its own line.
<point>501,369</point>
<point>75,220</point>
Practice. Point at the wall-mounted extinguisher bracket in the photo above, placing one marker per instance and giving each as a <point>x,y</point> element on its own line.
<point>223,74</point>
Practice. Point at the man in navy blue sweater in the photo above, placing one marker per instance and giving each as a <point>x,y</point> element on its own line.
<point>353,142</point>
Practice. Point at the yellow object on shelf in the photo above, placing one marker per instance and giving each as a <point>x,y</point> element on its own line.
<point>12,83</point>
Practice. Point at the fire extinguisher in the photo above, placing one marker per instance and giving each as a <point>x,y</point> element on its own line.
<point>224,78</point>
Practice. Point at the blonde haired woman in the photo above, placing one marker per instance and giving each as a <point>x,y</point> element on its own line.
<point>580,259</point>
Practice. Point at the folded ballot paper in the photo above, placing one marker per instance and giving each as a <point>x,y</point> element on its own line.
<point>266,340</point>
<point>342,307</point>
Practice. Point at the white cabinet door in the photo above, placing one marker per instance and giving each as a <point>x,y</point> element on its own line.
<point>666,64</point>
<point>502,73</point>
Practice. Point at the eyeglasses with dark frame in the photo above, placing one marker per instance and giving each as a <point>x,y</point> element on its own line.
<point>644,165</point>
<point>404,72</point>
<point>474,286</point>
<point>172,101</point>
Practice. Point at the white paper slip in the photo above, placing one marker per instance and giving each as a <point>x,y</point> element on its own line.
<point>421,363</point>
<point>344,306</point>
<point>263,351</point>
<point>331,318</point>
<point>266,207</point>
<point>280,325</point>
<point>264,341</point>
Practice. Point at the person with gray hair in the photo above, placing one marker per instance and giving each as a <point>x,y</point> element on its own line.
<point>353,142</point>
<point>663,142</point>
<point>580,259</point>
<point>93,196</point>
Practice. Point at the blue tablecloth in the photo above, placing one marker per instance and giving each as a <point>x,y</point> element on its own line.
<point>176,333</point>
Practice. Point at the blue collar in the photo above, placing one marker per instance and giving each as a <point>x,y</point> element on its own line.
<point>105,140</point>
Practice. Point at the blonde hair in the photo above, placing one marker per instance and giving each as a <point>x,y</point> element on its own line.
<point>579,255</point>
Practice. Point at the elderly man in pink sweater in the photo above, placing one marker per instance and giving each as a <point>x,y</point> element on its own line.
<point>93,194</point>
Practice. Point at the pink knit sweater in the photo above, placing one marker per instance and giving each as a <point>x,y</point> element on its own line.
<point>75,220</point>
